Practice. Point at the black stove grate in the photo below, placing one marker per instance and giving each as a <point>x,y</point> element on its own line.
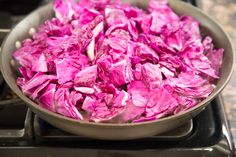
<point>45,132</point>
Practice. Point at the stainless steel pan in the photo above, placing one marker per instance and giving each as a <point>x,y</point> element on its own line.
<point>117,131</point>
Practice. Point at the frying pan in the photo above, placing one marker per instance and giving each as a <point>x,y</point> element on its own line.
<point>117,131</point>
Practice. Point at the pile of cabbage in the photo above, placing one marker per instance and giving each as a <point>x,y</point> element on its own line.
<point>108,61</point>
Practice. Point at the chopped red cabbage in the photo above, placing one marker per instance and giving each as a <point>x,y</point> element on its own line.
<point>105,61</point>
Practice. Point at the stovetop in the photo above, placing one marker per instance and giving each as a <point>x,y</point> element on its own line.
<point>22,133</point>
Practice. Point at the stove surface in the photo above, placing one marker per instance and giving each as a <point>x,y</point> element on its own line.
<point>26,135</point>
<point>22,133</point>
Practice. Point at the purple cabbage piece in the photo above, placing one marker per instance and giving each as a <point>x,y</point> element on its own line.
<point>216,57</point>
<point>151,75</point>
<point>145,22</point>
<point>46,100</point>
<point>137,72</point>
<point>103,114</point>
<point>161,14</point>
<point>40,65</point>
<point>130,112</point>
<point>204,66</point>
<point>139,93</point>
<point>26,72</point>
<point>65,10</point>
<point>38,89</point>
<point>121,99</point>
<point>173,35</point>
<point>66,70</point>
<point>162,6</point>
<point>28,55</point>
<point>35,83</point>
<point>86,77</point>
<point>108,98</point>
<point>191,28</point>
<point>177,34</point>
<point>156,42</point>
<point>185,103</point>
<point>121,73</point>
<point>107,87</point>
<point>100,5</point>
<point>207,44</point>
<point>64,106</point>
<point>195,87</point>
<point>118,35</point>
<point>130,26</point>
<point>89,105</point>
<point>53,27</point>
<point>21,81</point>
<point>88,16</point>
<point>106,61</point>
<point>108,110</point>
<point>160,103</point>
<point>144,52</point>
<point>115,16</point>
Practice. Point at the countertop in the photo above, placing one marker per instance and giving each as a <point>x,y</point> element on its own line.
<point>224,12</point>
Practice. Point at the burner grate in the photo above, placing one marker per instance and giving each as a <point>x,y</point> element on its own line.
<point>46,132</point>
<point>15,123</point>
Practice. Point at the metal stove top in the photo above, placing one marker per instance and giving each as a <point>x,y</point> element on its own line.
<point>22,133</point>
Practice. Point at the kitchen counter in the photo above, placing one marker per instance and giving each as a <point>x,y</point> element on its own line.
<point>224,12</point>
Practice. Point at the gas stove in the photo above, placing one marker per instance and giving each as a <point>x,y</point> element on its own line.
<point>22,133</point>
